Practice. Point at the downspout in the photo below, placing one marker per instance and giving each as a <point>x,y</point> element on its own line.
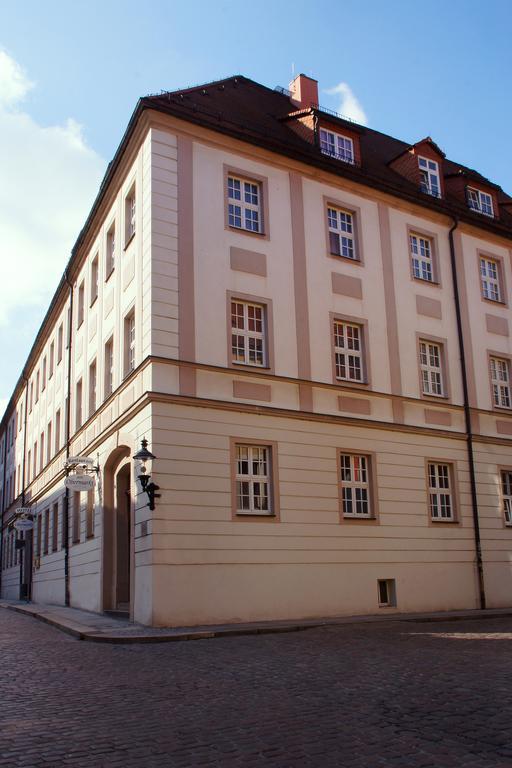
<point>467,418</point>
<point>2,508</point>
<point>65,515</point>
<point>25,560</point>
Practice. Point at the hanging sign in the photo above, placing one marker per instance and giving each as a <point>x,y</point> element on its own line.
<point>73,460</point>
<point>79,482</point>
<point>23,510</point>
<point>23,525</point>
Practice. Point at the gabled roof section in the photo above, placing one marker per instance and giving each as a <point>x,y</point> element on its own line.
<point>412,147</point>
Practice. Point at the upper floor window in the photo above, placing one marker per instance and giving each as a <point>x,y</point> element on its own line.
<point>51,358</point>
<point>94,280</point>
<point>111,250</point>
<point>480,201</point>
<point>78,405</point>
<point>421,257</point>
<point>244,204</point>
<point>440,492</point>
<point>341,147</point>
<point>130,211</point>
<point>506,486</point>
<point>92,388</point>
<point>490,279</point>
<point>341,233</point>
<point>109,368</point>
<point>60,339</point>
<point>500,382</point>
<point>431,367</point>
<point>248,333</point>
<point>348,351</point>
<point>355,485</point>
<point>81,302</point>
<point>129,343</point>
<point>429,177</point>
<point>43,376</point>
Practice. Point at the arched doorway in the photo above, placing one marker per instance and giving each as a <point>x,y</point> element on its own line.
<point>117,533</point>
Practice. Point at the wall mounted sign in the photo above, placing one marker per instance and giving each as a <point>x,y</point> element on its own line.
<point>73,460</point>
<point>23,525</point>
<point>79,482</point>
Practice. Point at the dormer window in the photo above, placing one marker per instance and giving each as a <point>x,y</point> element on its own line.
<point>336,145</point>
<point>429,177</point>
<point>480,202</point>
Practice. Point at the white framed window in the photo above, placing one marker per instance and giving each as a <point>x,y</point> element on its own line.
<point>244,204</point>
<point>440,491</point>
<point>341,233</point>
<point>338,146</point>
<point>248,333</point>
<point>480,201</point>
<point>253,480</point>
<point>60,339</point>
<point>57,431</point>
<point>506,489</point>
<point>429,177</point>
<point>111,251</point>
<point>129,343</point>
<point>421,257</point>
<point>81,303</point>
<point>129,215</point>
<point>92,388</point>
<point>109,368</point>
<point>500,381</point>
<point>51,359</point>
<point>43,375</point>
<point>94,280</point>
<point>348,351</point>
<point>490,279</point>
<point>355,485</point>
<point>431,367</point>
<point>78,404</point>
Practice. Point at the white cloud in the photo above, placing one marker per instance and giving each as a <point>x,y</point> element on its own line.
<point>48,181</point>
<point>14,84</point>
<point>349,105</point>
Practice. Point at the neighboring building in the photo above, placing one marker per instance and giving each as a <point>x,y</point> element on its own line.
<point>265,291</point>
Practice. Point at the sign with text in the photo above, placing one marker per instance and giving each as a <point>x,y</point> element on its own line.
<point>23,525</point>
<point>74,460</point>
<point>23,510</point>
<point>79,482</point>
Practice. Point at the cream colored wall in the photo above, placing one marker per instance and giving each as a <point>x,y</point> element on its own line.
<point>208,567</point>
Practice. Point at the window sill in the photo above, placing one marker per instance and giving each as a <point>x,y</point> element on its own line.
<point>345,259</point>
<point>350,383</point>
<point>128,242</point>
<point>424,281</point>
<point>445,521</point>
<point>93,302</point>
<point>259,515</point>
<point>495,302</point>
<point>79,325</point>
<point>107,278</point>
<point>242,231</point>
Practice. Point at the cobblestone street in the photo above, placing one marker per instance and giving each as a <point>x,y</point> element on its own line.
<point>368,695</point>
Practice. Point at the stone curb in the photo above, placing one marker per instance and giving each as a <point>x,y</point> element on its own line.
<point>91,634</point>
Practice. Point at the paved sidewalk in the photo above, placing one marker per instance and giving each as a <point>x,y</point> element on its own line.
<point>101,628</point>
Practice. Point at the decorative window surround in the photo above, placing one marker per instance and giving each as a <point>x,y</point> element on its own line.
<point>349,352</point>
<point>506,494</point>
<point>491,270</point>
<point>246,208</point>
<point>254,480</point>
<point>249,332</point>
<point>441,491</point>
<point>343,231</point>
<point>499,365</point>
<point>421,250</point>
<point>434,379</point>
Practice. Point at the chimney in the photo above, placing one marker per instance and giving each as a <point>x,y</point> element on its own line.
<point>304,91</point>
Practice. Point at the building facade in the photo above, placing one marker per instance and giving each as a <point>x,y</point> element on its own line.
<point>309,322</point>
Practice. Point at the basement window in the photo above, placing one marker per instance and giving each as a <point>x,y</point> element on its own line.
<point>387,593</point>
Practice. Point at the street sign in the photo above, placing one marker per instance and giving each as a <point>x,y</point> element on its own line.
<point>23,525</point>
<point>23,510</point>
<point>79,482</point>
<point>73,460</point>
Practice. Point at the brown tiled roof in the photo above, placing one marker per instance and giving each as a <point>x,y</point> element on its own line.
<point>254,113</point>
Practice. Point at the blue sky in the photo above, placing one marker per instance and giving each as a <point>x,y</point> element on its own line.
<point>440,69</point>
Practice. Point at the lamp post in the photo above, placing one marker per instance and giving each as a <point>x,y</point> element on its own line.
<point>146,459</point>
